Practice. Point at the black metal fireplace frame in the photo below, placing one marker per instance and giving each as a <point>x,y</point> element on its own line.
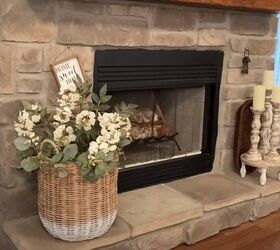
<point>140,69</point>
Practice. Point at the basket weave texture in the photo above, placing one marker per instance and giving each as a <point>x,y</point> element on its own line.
<point>73,208</point>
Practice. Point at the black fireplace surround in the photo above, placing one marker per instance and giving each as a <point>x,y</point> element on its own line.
<point>140,69</point>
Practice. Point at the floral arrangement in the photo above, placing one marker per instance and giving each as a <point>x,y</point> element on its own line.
<point>77,131</point>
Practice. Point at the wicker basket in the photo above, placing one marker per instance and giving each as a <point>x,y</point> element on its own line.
<point>75,209</point>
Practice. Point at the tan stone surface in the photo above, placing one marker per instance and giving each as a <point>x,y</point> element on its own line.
<point>215,191</point>
<point>117,9</point>
<point>6,84</point>
<point>29,234</point>
<point>156,207</point>
<point>56,53</point>
<point>9,111</point>
<point>267,205</point>
<point>212,37</point>
<point>233,92</point>
<point>235,76</point>
<point>212,17</point>
<point>164,239</point>
<point>249,23</point>
<point>173,38</point>
<point>73,29</point>
<point>29,59</point>
<point>229,116</point>
<point>174,18</point>
<point>81,7</point>
<point>22,21</point>
<point>227,138</point>
<point>138,11</point>
<point>264,46</point>
<point>29,85</point>
<point>201,228</point>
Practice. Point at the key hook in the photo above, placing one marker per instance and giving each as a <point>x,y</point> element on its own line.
<point>246,52</point>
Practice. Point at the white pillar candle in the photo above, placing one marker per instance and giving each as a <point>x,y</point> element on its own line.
<point>276,94</point>
<point>268,79</point>
<point>259,97</point>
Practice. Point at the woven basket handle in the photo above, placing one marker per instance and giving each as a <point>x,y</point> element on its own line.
<point>52,143</point>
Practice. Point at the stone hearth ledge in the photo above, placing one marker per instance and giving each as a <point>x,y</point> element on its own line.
<point>181,208</point>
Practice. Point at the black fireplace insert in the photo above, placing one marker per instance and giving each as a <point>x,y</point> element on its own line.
<point>148,73</point>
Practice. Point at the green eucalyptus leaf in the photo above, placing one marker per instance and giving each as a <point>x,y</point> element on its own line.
<point>30,164</point>
<point>69,152</point>
<point>62,173</point>
<point>85,170</point>
<point>123,134</point>
<point>91,176</point>
<point>99,172</point>
<point>111,166</point>
<point>124,142</point>
<point>103,91</point>
<point>100,155</point>
<point>102,165</point>
<point>95,98</point>
<point>57,157</point>
<point>27,105</point>
<point>105,98</point>
<point>110,156</point>
<point>104,107</point>
<point>21,143</point>
<point>82,158</point>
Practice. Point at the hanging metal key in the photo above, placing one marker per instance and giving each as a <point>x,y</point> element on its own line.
<point>245,61</point>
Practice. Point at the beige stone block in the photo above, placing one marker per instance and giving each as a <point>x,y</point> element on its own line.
<point>138,209</point>
<point>233,92</point>
<point>264,46</point>
<point>249,23</point>
<point>29,60</point>
<point>257,62</point>
<point>173,38</point>
<point>118,32</point>
<point>273,24</point>
<point>224,191</point>
<point>227,137</point>
<point>29,85</point>
<point>9,154</point>
<point>82,7</point>
<point>21,21</point>
<point>117,9</point>
<point>226,161</point>
<point>164,239</point>
<point>235,215</point>
<point>6,85</point>
<point>201,228</point>
<point>172,18</point>
<point>9,111</point>
<point>212,37</point>
<point>53,90</point>
<point>267,205</point>
<point>236,77</point>
<point>28,233</point>
<point>7,177</point>
<point>138,11</point>
<point>20,201</point>
<point>212,17</point>
<point>56,53</point>
<point>229,116</point>
<point>270,63</point>
<point>124,245</point>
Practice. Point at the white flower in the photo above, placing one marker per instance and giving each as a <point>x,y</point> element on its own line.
<point>63,115</point>
<point>64,135</point>
<point>35,118</point>
<point>67,87</point>
<point>85,119</point>
<point>93,148</point>
<point>35,107</point>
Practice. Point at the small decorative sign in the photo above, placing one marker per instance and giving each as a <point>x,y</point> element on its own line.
<point>67,70</point>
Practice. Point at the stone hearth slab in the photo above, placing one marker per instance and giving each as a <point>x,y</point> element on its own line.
<point>215,191</point>
<point>152,208</point>
<point>29,234</point>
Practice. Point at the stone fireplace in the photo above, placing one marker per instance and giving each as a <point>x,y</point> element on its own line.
<point>34,34</point>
